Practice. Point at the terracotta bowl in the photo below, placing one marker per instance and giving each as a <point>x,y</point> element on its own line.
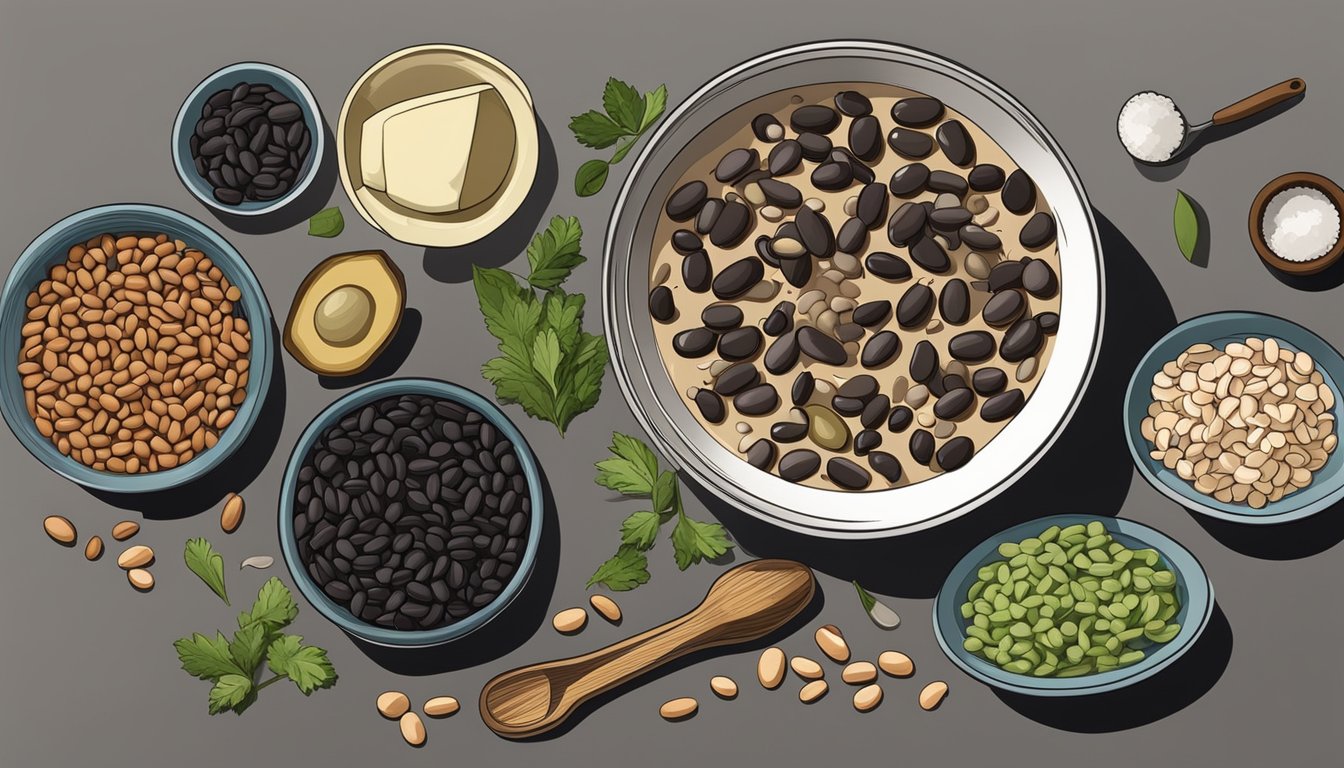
<point>1257,215</point>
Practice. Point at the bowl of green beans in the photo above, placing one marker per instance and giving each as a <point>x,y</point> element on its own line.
<point>1072,605</point>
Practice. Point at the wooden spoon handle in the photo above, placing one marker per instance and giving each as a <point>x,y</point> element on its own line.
<point>744,604</point>
<point>1259,102</point>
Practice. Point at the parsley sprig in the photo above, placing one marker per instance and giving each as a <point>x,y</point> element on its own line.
<point>632,470</point>
<point>548,364</point>
<point>628,115</point>
<point>232,664</point>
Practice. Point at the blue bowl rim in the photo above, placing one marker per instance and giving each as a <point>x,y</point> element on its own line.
<point>312,111</point>
<point>1287,509</point>
<point>1191,578</point>
<point>337,614</point>
<point>57,238</point>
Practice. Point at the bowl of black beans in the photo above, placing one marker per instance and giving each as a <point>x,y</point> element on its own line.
<point>248,139</point>
<point>411,512</point>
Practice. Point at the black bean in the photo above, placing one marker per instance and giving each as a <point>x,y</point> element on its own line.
<point>767,128</point>
<point>784,157</point>
<point>740,343</point>
<point>916,306</point>
<point>732,225</point>
<point>1003,406</point>
<point>971,346</point>
<point>1049,322</point>
<point>818,346</point>
<point>853,235</point>
<point>738,278</point>
<point>687,201</point>
<point>956,142</point>
<point>872,205</point>
<point>803,387</point>
<point>985,177</point>
<point>788,431</point>
<point>1022,340</point>
<point>921,446</point>
<point>865,138</point>
<point>875,412</point>
<point>872,313</point>
<point>761,454</point>
<point>866,442</point>
<point>763,252</point>
<point>954,302</point>
<point>797,271</point>
<point>954,404</point>
<point>814,117</point>
<point>696,272</point>
<point>847,474</point>
<point>989,381</point>
<point>861,387</point>
<point>923,361</point>
<point>1038,278</point>
<point>832,176</point>
<point>814,146</point>
<point>886,465</point>
<point>887,266</point>
<point>685,242</point>
<point>900,419</point>
<point>847,406</point>
<point>736,378</point>
<point>909,180</point>
<point>815,231</point>
<point>780,319</point>
<point>711,406</point>
<point>955,453</point>
<point>694,342</point>
<point>661,305</point>
<point>228,196</point>
<point>721,317</point>
<point>798,465</point>
<point>927,253</point>
<point>709,215</point>
<point>756,401</point>
<point>853,104</point>
<point>946,181</point>
<point>949,219</point>
<point>917,111</point>
<point>910,144</point>
<point>782,354</point>
<point>736,164</point>
<point>977,238</point>
<point>1019,192</point>
<point>284,113</point>
<point>1006,275</point>
<point>780,193</point>
<point>1038,232</point>
<point>1003,308</point>
<point>907,224</point>
<point>880,349</point>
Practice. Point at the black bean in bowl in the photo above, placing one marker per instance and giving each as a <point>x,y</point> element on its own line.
<point>412,512</point>
<point>250,143</point>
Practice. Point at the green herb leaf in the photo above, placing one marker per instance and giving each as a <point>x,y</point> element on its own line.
<point>546,357</point>
<point>632,470</point>
<point>596,130</point>
<point>274,607</point>
<point>626,570</point>
<point>206,563</point>
<point>693,541</point>
<point>591,177</point>
<point>248,646</point>
<point>229,692</point>
<point>206,657</point>
<point>640,530</point>
<point>624,104</point>
<point>563,313</point>
<point>554,253</point>
<point>655,102</point>
<point>306,665</point>
<point>1187,226</point>
<point>326,223</point>
<point>665,493</point>
<point>866,599</point>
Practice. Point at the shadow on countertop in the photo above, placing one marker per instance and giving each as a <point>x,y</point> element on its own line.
<point>298,210</point>
<point>389,361</point>
<point>1284,541</point>
<point>234,474</point>
<point>1177,687</point>
<point>1331,278</point>
<point>515,625</point>
<point>453,265</point>
<point>1087,470</point>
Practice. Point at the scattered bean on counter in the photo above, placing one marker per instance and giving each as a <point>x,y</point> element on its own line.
<point>724,687</point>
<point>813,691</point>
<point>232,514</point>
<point>125,530</point>
<point>570,621</point>
<point>679,709</point>
<point>61,530</point>
<point>771,667</point>
<point>932,695</point>
<point>441,706</point>
<point>393,704</point>
<point>606,608</point>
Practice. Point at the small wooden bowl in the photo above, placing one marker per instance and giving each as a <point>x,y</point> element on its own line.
<point>1257,215</point>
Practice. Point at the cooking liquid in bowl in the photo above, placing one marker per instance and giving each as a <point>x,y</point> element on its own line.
<point>738,431</point>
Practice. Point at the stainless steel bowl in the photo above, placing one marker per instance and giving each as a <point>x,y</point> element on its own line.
<point>683,137</point>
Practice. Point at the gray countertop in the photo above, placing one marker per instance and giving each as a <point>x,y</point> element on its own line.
<point>86,663</point>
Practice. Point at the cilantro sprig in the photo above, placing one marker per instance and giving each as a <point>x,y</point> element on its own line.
<point>627,115</point>
<point>547,363</point>
<point>632,470</point>
<point>232,664</point>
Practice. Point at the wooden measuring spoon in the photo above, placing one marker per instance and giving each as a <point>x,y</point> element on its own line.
<point>744,604</point>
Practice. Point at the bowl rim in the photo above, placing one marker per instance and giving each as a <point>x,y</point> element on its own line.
<point>523,171</point>
<point>1287,509</point>
<point>1255,221</point>
<point>312,110</point>
<point>338,614</point>
<point>636,378</point>
<point>1191,576</point>
<point>57,238</point>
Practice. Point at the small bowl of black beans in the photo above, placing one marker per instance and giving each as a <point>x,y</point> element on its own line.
<point>411,512</point>
<point>248,139</point>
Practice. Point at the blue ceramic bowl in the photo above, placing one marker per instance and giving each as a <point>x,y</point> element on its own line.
<point>49,249</point>
<point>338,614</point>
<point>1220,329</point>
<point>1192,589</point>
<point>228,77</point>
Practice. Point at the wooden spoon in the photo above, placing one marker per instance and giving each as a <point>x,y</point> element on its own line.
<point>744,604</point>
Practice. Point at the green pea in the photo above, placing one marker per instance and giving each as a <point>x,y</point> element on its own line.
<point>1095,528</point>
<point>1003,573</point>
<point>973,644</point>
<point>1081,561</point>
<point>1164,635</point>
<point>1049,534</point>
<point>1164,579</point>
<point>1081,669</point>
<point>1009,549</point>
<point>1020,666</point>
<point>1000,617</point>
<point>1017,611</point>
<point>1044,670</point>
<point>1020,629</point>
<point>1130,634</point>
<point>1032,546</point>
<point>1130,657</point>
<point>976,589</point>
<point>1101,569</point>
<point>980,620</point>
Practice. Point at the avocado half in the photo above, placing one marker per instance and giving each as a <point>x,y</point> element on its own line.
<point>345,313</point>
